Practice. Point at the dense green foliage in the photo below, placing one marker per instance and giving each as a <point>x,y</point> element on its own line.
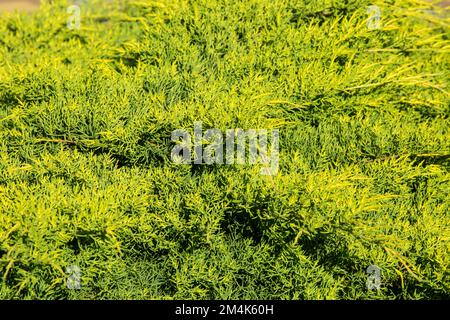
<point>86,178</point>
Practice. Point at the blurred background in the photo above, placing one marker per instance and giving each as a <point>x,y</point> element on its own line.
<point>30,5</point>
<point>21,5</point>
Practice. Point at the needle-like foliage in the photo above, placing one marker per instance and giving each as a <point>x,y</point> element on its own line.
<point>86,177</point>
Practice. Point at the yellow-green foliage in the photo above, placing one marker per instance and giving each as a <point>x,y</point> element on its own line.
<point>85,172</point>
